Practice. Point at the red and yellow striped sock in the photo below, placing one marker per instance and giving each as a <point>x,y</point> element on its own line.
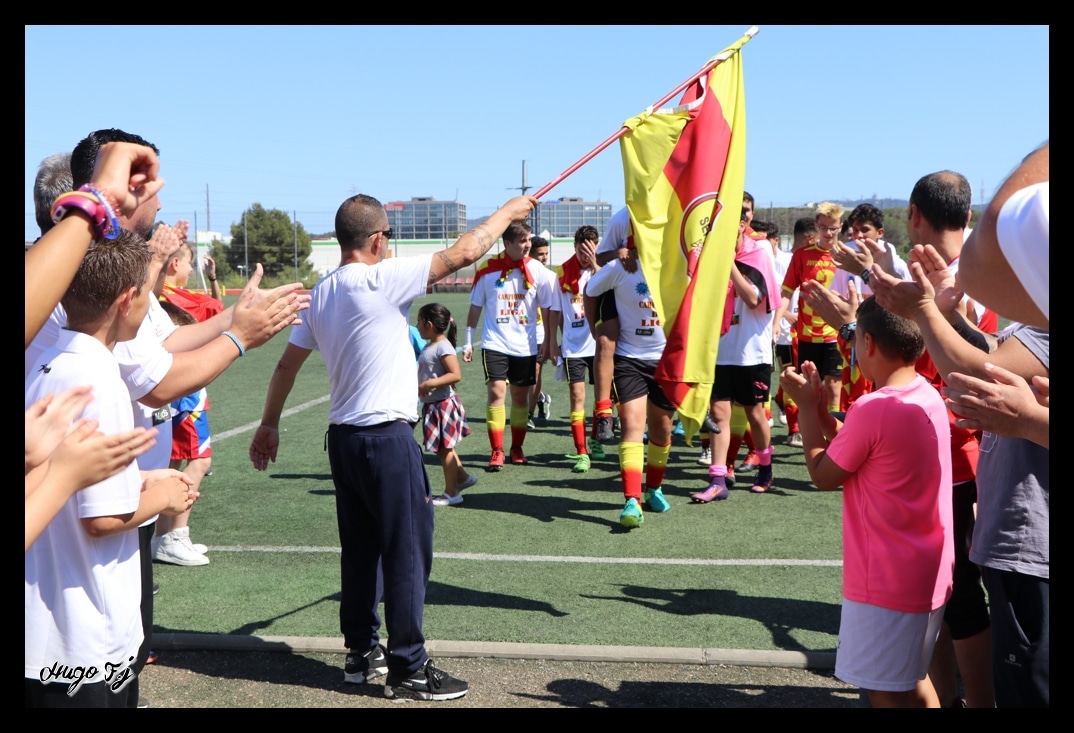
<point>655,465</point>
<point>578,432</point>
<point>602,408</point>
<point>494,422</point>
<point>631,461</point>
<point>519,416</point>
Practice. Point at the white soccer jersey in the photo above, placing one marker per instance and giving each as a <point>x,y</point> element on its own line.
<point>615,232</point>
<point>640,334</point>
<point>510,309</point>
<point>577,340</point>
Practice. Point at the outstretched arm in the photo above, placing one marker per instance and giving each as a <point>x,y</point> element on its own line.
<point>984,270</point>
<point>475,244</point>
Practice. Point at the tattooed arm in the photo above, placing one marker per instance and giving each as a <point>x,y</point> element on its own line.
<point>474,244</point>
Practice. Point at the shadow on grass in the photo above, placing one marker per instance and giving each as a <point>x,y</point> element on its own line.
<point>781,616</point>
<point>301,476</point>
<point>544,508</point>
<point>284,679</point>
<point>441,594</point>
<point>577,693</point>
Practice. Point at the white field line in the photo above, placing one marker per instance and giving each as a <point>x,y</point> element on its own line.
<point>509,558</point>
<point>483,557</point>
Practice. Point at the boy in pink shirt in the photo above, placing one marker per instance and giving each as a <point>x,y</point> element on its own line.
<point>892,456</point>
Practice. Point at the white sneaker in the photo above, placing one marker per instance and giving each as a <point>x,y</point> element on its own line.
<point>198,547</point>
<point>795,440</point>
<point>445,500</point>
<point>176,550</point>
<point>705,459</point>
<point>470,481</point>
<point>782,417</point>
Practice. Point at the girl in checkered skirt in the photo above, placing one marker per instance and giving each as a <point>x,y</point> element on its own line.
<point>443,418</point>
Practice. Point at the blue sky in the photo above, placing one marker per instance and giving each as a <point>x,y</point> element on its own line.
<point>301,117</point>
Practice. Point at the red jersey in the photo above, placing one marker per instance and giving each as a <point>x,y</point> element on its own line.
<point>811,263</point>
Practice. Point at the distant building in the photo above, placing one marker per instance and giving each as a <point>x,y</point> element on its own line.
<point>563,216</point>
<point>203,236</point>
<point>423,217</point>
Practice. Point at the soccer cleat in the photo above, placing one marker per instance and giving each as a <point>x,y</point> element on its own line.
<point>496,462</point>
<point>596,450</point>
<point>582,463</point>
<point>794,440</point>
<point>678,429</point>
<point>156,588</point>
<point>530,425</point>
<point>782,417</point>
<point>468,482</point>
<point>705,459</point>
<point>710,425</point>
<point>602,429</point>
<point>428,683</point>
<point>714,492</point>
<point>632,515</point>
<point>445,500</point>
<point>654,499</point>
<point>750,462</point>
<point>729,479</point>
<point>364,666</point>
<point>518,457</point>
<point>544,406</point>
<point>151,659</point>
<point>763,482</point>
<point>176,550</point>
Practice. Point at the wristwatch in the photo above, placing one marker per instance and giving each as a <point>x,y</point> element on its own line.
<point>846,331</point>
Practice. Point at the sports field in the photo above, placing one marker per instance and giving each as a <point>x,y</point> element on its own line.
<point>534,554</point>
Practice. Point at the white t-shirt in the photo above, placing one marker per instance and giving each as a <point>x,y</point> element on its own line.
<point>615,232</point>
<point>510,309</point>
<point>577,340</point>
<point>1022,231</point>
<point>358,319</point>
<point>640,334</point>
<point>83,595</point>
<point>748,340</point>
<point>782,264</point>
<point>553,284</point>
<point>144,362</point>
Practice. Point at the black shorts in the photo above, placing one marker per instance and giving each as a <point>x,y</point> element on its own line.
<point>825,357</point>
<point>606,310</point>
<point>784,354</point>
<point>634,378</point>
<point>577,366</point>
<point>743,385</point>
<point>521,371</point>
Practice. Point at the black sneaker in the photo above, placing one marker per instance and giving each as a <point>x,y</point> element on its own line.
<point>428,683</point>
<point>602,429</point>
<point>364,666</point>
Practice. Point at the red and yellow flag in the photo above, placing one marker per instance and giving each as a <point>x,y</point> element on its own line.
<point>685,170</point>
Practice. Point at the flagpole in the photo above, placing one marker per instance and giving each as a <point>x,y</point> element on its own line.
<point>655,105</point>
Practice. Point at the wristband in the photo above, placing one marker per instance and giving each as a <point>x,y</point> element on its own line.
<point>469,337</point>
<point>212,279</point>
<point>865,276</point>
<point>235,340</point>
<point>88,205</point>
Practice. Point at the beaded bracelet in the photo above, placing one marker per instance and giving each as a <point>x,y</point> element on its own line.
<point>110,204</point>
<point>235,340</point>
